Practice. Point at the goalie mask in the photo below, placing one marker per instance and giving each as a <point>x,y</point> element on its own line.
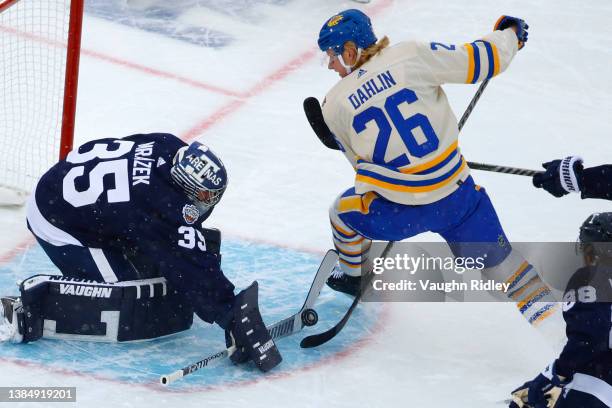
<point>200,173</point>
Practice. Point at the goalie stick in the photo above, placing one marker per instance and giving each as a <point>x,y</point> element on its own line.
<point>286,327</point>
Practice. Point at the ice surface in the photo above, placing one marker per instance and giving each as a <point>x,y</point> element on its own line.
<point>243,95</point>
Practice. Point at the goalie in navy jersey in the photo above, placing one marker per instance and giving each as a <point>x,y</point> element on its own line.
<point>122,219</point>
<point>581,377</point>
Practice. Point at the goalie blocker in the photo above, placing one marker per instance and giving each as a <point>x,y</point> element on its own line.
<point>76,309</point>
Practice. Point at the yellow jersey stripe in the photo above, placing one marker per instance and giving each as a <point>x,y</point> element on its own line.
<point>410,189</point>
<point>496,65</point>
<point>470,72</point>
<point>432,163</point>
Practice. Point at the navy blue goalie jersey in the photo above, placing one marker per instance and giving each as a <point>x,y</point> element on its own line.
<point>587,310</point>
<point>118,195</point>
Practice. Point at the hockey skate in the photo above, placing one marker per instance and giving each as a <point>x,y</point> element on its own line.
<point>341,282</point>
<point>9,330</point>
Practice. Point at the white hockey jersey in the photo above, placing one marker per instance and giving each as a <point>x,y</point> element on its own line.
<point>394,123</point>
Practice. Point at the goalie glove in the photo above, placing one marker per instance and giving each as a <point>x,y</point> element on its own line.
<point>541,392</point>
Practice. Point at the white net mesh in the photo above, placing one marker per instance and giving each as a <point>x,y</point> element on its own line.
<point>33,38</point>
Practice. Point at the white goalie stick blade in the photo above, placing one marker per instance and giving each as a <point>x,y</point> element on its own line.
<point>286,327</point>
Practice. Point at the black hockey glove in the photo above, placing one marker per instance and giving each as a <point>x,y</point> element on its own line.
<point>520,28</point>
<point>541,392</point>
<point>561,176</point>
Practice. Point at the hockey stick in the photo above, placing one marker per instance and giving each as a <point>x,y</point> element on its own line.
<point>318,339</point>
<point>503,169</point>
<point>472,104</point>
<point>286,327</point>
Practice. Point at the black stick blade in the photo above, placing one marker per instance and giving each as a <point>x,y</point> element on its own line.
<point>316,340</point>
<point>313,112</point>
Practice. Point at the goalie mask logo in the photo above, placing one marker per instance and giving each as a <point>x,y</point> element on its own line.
<point>190,213</point>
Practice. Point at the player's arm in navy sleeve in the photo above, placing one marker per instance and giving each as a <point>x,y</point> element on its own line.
<point>597,182</point>
<point>588,336</point>
<point>192,265</point>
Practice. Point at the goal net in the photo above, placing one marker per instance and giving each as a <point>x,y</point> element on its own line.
<point>39,54</point>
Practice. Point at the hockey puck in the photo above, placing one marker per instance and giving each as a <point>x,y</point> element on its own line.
<point>310,317</point>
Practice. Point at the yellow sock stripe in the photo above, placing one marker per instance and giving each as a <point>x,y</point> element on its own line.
<point>354,242</point>
<point>512,279</point>
<point>342,261</point>
<point>344,240</point>
<point>544,316</point>
<point>526,286</point>
<point>432,163</point>
<point>496,66</point>
<point>353,253</point>
<point>532,296</point>
<point>410,189</point>
<point>470,73</point>
<point>342,231</point>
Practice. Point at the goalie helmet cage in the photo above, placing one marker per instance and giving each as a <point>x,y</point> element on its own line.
<point>40,42</point>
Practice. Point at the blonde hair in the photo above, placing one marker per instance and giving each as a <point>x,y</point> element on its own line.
<point>369,52</point>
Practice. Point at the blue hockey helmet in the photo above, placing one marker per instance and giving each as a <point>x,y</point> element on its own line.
<point>200,173</point>
<point>349,25</point>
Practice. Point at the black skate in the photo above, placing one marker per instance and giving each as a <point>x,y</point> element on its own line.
<point>341,282</point>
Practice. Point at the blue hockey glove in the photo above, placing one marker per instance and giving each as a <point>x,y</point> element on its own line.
<point>519,26</point>
<point>541,392</point>
<point>561,176</point>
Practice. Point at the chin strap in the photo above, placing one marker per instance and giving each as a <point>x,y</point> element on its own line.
<point>348,68</point>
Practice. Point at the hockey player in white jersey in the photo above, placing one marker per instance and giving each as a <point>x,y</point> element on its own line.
<point>391,118</point>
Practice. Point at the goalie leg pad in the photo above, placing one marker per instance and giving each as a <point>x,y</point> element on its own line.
<point>76,309</point>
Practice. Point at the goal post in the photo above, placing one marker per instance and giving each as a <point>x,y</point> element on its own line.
<point>40,43</point>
